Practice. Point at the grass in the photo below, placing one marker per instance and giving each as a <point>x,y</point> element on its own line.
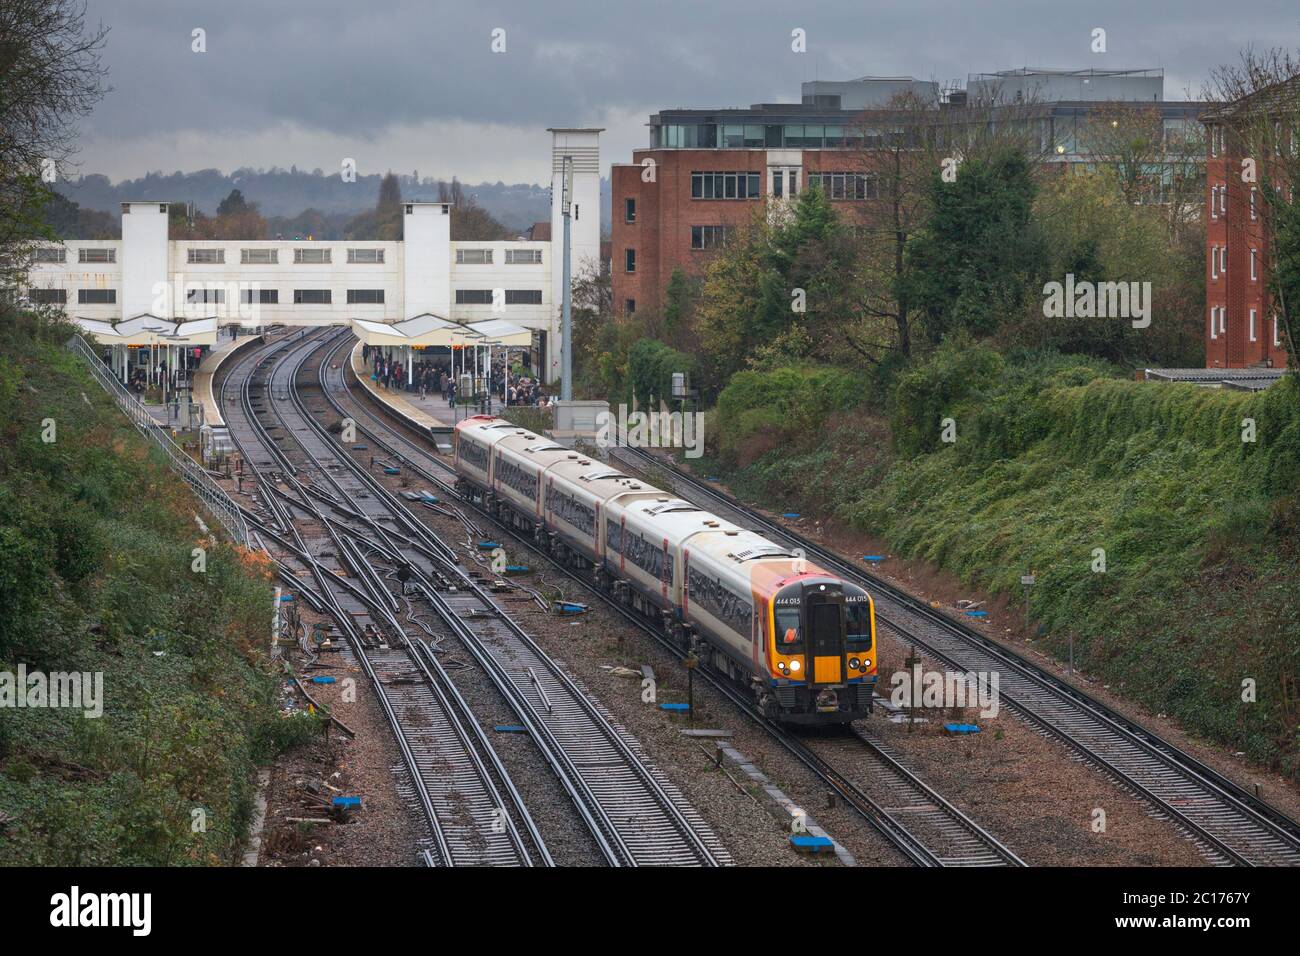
<point>96,552</point>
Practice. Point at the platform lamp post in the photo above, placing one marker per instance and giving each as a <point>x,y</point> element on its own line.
<point>566,309</point>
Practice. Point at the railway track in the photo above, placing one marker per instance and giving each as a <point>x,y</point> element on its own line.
<point>634,814</point>
<point>454,775</point>
<point>925,827</point>
<point>1229,825</point>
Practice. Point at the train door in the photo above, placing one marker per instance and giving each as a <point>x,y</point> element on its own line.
<point>826,637</point>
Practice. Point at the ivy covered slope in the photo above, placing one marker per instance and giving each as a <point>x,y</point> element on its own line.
<point>95,576</point>
<point>1054,458</point>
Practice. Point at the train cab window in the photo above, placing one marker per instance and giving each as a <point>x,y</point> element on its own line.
<point>859,626</point>
<point>789,636</point>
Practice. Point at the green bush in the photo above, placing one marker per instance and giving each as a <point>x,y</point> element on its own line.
<point>786,406</point>
<point>651,365</point>
<point>1055,457</point>
<point>95,541</point>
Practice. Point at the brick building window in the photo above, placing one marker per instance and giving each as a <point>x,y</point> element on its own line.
<point>1277,333</point>
<point>844,185</point>
<point>629,260</point>
<point>629,306</point>
<point>1223,259</point>
<point>709,237</point>
<point>1254,274</point>
<point>1253,214</point>
<point>1214,262</point>
<point>725,185</point>
<point>629,210</point>
<point>1252,325</point>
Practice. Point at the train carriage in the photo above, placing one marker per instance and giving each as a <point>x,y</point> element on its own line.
<point>643,543</point>
<point>801,639</point>
<point>520,461</point>
<point>472,445</point>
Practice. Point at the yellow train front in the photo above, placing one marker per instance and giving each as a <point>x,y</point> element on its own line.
<point>821,644</point>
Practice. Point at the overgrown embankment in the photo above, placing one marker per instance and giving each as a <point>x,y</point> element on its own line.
<point>96,576</point>
<point>1167,545</point>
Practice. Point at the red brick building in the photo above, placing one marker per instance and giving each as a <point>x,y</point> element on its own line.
<point>663,220</point>
<point>707,172</point>
<point>1241,328</point>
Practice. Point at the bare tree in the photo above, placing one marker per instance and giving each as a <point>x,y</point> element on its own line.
<point>901,149</point>
<point>50,77</point>
<point>1153,165</point>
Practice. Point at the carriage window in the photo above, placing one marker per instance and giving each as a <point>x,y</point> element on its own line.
<point>789,637</point>
<point>859,621</point>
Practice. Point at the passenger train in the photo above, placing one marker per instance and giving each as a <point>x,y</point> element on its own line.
<point>800,639</point>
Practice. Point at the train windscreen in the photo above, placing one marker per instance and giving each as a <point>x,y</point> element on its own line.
<point>789,637</point>
<point>859,629</point>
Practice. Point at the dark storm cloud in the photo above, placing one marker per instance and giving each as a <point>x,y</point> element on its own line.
<point>285,81</point>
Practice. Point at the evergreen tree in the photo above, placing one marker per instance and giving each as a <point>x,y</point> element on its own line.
<point>973,264</point>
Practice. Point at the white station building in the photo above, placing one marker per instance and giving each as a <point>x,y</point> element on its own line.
<point>149,290</point>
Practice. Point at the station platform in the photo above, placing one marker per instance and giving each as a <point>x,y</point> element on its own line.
<point>202,381</point>
<point>431,413</point>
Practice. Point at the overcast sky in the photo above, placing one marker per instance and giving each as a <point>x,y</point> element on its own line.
<point>412,85</point>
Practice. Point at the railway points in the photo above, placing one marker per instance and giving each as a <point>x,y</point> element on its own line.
<point>635,817</point>
<point>950,837</point>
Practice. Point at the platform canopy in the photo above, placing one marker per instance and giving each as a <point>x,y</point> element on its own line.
<point>501,332</point>
<point>421,331</point>
<point>143,330</point>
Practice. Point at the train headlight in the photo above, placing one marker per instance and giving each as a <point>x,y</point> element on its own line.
<point>866,664</point>
<point>854,663</point>
<point>794,666</point>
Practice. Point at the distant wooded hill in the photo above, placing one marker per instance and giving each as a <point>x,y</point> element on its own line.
<point>298,202</point>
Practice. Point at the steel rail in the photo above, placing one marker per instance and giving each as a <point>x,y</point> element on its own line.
<point>576,762</point>
<point>982,847</point>
<point>445,738</point>
<point>1229,824</point>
